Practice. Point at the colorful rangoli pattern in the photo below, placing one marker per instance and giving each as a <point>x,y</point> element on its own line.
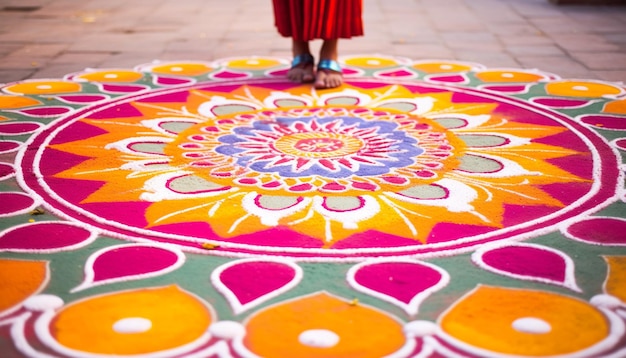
<point>425,208</point>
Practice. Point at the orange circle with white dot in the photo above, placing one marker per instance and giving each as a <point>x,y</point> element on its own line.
<point>111,76</point>
<point>10,102</point>
<point>582,89</point>
<point>182,69</point>
<point>371,62</point>
<point>43,87</point>
<point>441,67</point>
<point>253,63</point>
<point>509,76</point>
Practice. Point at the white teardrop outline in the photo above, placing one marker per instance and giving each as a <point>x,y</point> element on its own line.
<point>566,233</point>
<point>412,308</point>
<point>88,281</point>
<point>570,277</point>
<point>616,325</point>
<point>44,283</point>
<point>43,331</point>
<point>232,299</point>
<point>403,352</point>
<point>93,234</point>
<point>40,128</point>
<point>35,204</point>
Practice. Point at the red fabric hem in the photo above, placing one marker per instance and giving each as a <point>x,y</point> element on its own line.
<point>306,20</point>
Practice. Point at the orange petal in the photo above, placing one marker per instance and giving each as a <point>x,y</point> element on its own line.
<point>19,280</point>
<point>524,322</point>
<point>132,322</point>
<point>322,325</point>
<point>615,284</point>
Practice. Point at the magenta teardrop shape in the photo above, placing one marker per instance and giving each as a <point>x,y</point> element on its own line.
<point>249,281</point>
<point>527,261</point>
<point>43,236</point>
<point>400,280</point>
<point>129,261</point>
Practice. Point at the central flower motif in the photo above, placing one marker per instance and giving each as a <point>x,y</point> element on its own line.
<point>368,169</point>
<point>331,149</point>
<point>338,147</point>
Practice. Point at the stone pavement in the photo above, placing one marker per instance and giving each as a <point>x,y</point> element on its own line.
<point>50,38</point>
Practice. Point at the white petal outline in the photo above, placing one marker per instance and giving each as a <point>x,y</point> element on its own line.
<point>21,211</point>
<point>568,282</point>
<point>40,127</point>
<point>103,98</point>
<point>566,233</point>
<point>410,308</point>
<point>232,299</point>
<point>270,101</point>
<point>102,87</point>
<point>381,73</point>
<point>587,102</point>
<point>463,75</point>
<point>350,218</point>
<point>156,188</point>
<point>616,325</point>
<point>580,119</point>
<point>404,351</point>
<point>24,112</point>
<point>42,286</point>
<point>363,99</point>
<point>526,86</point>
<point>88,281</point>
<point>10,175</point>
<point>122,145</point>
<point>155,124</point>
<point>271,217</point>
<point>17,148</point>
<point>43,332</point>
<point>92,236</point>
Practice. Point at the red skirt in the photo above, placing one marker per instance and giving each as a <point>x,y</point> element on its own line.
<point>305,20</point>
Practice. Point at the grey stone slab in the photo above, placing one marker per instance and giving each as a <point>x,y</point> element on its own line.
<point>422,51</point>
<point>584,42</point>
<point>489,59</point>
<point>58,70</point>
<point>601,60</point>
<point>563,66</point>
<point>88,59</point>
<point>39,50</point>
<point>535,50</point>
<point>613,76</point>
<point>13,75</point>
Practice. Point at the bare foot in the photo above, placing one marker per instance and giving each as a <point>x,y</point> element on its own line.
<point>301,73</point>
<point>328,79</point>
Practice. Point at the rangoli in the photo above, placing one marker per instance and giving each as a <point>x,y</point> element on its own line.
<point>215,209</point>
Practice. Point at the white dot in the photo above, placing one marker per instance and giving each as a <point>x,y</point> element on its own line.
<point>580,88</point>
<point>445,67</point>
<point>40,303</point>
<point>110,75</point>
<point>227,329</point>
<point>176,69</point>
<point>132,325</point>
<point>373,62</point>
<point>43,87</point>
<point>605,301</point>
<point>508,75</point>
<point>531,325</point>
<point>253,62</point>
<point>420,328</point>
<point>319,338</point>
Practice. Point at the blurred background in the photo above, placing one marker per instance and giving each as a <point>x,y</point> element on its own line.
<point>51,38</point>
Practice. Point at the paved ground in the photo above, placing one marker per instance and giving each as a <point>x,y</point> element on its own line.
<point>50,38</point>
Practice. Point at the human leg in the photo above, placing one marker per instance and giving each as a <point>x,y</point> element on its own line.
<point>328,71</point>
<point>302,66</point>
